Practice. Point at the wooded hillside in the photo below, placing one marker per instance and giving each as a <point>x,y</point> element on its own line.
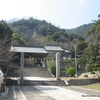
<point>39,32</point>
<point>81,30</point>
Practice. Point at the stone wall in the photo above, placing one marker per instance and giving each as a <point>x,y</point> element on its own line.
<point>79,82</point>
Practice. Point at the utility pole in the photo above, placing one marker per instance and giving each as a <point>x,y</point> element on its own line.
<point>75,60</point>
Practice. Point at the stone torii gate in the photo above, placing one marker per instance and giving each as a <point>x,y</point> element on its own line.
<point>57,65</point>
<point>41,51</point>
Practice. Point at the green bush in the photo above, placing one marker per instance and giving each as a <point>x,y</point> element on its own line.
<point>92,72</point>
<point>85,75</point>
<point>52,67</point>
<point>71,71</point>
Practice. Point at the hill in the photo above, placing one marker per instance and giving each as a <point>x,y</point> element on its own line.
<point>40,32</point>
<point>81,30</point>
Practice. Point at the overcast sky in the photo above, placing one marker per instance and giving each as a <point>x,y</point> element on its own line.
<point>62,13</point>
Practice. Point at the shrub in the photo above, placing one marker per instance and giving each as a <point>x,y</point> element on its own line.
<point>85,75</point>
<point>71,71</point>
<point>93,72</point>
<point>51,65</point>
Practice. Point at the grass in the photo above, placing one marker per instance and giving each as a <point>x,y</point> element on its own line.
<point>95,86</point>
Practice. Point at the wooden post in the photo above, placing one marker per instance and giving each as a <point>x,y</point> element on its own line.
<point>22,66</point>
<point>58,65</point>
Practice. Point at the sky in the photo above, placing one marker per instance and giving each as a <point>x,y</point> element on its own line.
<point>61,13</point>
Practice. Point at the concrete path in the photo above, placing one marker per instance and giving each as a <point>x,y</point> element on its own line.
<point>59,93</point>
<point>47,93</point>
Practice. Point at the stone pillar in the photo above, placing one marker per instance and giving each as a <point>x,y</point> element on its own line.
<point>22,66</point>
<point>57,65</point>
<point>1,79</point>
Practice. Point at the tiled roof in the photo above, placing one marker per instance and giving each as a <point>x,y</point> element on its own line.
<point>28,49</point>
<point>37,49</point>
<point>53,48</point>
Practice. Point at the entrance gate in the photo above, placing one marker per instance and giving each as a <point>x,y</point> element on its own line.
<point>40,52</point>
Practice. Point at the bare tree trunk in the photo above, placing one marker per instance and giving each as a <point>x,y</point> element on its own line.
<point>5,55</point>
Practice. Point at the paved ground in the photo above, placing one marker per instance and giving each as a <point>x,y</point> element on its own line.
<point>48,92</point>
<point>59,93</point>
<point>51,93</point>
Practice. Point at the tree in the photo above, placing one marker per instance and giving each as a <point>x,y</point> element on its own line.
<point>97,72</point>
<point>94,33</point>
<point>88,56</point>
<point>17,40</point>
<point>92,54</point>
<point>5,43</point>
<point>5,30</point>
<point>80,46</point>
<point>56,36</point>
<point>5,55</point>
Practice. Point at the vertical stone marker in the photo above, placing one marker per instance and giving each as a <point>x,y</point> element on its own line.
<point>22,66</point>
<point>1,79</point>
<point>57,65</point>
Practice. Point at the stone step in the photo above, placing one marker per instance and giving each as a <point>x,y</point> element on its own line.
<point>51,83</point>
<point>11,82</point>
<point>30,71</point>
<point>39,72</point>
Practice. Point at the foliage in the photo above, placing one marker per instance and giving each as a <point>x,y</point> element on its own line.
<point>97,71</point>
<point>94,33</point>
<point>88,52</point>
<point>81,45</point>
<point>31,26</point>
<point>17,39</point>
<point>71,71</point>
<point>52,67</point>
<point>92,72</point>
<point>60,36</point>
<point>67,63</point>
<point>5,55</point>
<point>81,30</point>
<point>37,32</point>
<point>5,43</point>
<point>89,67</point>
<point>89,57</point>
<point>72,36</point>
<point>85,75</point>
<point>5,30</point>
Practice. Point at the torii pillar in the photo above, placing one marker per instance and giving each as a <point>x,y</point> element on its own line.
<point>22,66</point>
<point>57,65</point>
